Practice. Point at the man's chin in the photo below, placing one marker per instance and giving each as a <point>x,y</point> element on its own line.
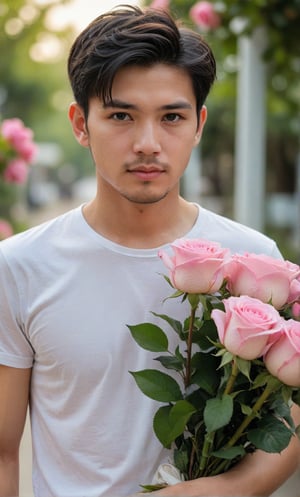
<point>145,199</point>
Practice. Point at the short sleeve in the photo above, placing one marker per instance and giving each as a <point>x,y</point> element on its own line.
<point>15,349</point>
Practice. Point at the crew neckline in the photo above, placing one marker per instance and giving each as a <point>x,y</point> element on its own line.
<point>123,249</point>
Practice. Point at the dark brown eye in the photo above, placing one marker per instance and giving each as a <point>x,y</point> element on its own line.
<point>172,118</point>
<point>120,116</point>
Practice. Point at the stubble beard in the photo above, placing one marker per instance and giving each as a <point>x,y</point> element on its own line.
<point>144,198</point>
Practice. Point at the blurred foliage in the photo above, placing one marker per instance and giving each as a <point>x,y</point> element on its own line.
<point>286,242</point>
<point>34,84</point>
<point>25,83</point>
<point>281,21</point>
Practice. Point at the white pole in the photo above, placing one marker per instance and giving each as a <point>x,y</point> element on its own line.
<point>249,187</point>
<point>192,177</point>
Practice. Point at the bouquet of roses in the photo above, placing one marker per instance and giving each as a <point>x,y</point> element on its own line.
<point>17,150</point>
<point>236,368</point>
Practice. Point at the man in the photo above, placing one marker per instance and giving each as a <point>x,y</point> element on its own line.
<point>70,286</point>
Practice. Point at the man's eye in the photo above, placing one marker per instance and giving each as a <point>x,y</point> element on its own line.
<point>172,118</point>
<point>120,116</point>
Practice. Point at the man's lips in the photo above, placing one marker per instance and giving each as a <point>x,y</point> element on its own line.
<point>148,172</point>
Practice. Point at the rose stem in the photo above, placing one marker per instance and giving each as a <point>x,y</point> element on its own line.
<point>189,347</point>
<point>232,378</point>
<point>272,385</point>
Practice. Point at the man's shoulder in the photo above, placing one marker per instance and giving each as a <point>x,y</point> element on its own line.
<point>234,235</point>
<point>34,238</point>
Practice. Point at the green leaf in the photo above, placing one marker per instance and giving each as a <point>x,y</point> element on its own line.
<point>167,279</point>
<point>246,410</point>
<point>170,421</point>
<point>162,427</point>
<point>171,362</point>
<point>296,397</point>
<point>218,412</point>
<point>287,393</point>
<point>282,410</point>
<point>157,385</point>
<point>209,326</point>
<point>174,323</point>
<point>152,488</point>
<point>226,358</point>
<point>194,299</point>
<point>179,354</point>
<point>260,380</point>
<point>205,333</point>
<point>271,435</point>
<point>181,458</point>
<point>230,452</point>
<point>177,293</point>
<point>149,337</point>
<point>206,375</point>
<point>180,414</point>
<point>244,367</point>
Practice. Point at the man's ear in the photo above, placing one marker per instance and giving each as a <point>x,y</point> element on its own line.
<point>78,123</point>
<point>202,121</point>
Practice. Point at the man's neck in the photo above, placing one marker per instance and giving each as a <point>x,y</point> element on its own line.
<point>142,225</point>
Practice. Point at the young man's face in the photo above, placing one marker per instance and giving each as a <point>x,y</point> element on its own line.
<point>141,141</point>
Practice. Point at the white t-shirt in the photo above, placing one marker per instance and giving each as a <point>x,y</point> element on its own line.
<point>66,296</point>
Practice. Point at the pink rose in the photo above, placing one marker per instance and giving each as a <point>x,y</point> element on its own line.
<point>204,15</point>
<point>16,171</point>
<point>5,229</point>
<point>262,277</point>
<point>283,358</point>
<point>296,310</point>
<point>247,326</point>
<point>20,137</point>
<point>196,266</point>
<point>294,295</point>
<point>160,4</point>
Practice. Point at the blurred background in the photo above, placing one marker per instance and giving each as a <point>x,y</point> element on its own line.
<point>248,163</point>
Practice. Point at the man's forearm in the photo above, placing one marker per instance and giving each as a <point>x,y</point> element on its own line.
<point>9,476</point>
<point>259,473</point>
<point>248,479</point>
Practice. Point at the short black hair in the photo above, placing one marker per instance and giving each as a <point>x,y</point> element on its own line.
<point>129,36</point>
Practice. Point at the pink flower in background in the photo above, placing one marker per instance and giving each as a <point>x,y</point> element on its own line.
<point>20,137</point>
<point>204,16</point>
<point>246,326</point>
<point>283,358</point>
<point>196,266</point>
<point>262,277</point>
<point>17,150</point>
<point>16,171</point>
<point>160,4</point>
<point>5,229</point>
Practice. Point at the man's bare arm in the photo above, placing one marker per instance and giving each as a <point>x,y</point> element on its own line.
<point>14,394</point>
<point>258,474</point>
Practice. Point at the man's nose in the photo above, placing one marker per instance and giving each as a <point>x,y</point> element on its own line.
<point>147,139</point>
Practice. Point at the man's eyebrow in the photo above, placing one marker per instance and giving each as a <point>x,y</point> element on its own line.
<point>120,104</point>
<point>177,105</point>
